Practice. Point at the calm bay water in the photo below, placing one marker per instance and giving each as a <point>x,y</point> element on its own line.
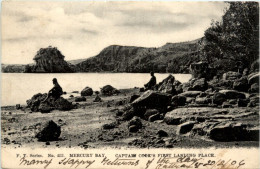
<point>19,87</point>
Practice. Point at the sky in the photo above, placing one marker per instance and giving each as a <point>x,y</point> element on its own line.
<point>81,29</point>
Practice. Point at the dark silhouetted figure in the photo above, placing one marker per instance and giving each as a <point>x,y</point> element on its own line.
<point>56,91</point>
<point>150,85</point>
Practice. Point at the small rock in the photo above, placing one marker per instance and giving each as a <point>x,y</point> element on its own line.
<point>87,91</point>
<point>63,104</point>
<point>80,99</point>
<point>128,114</point>
<point>133,128</point>
<point>48,143</point>
<point>7,141</point>
<point>150,112</point>
<point>185,127</point>
<point>119,113</point>
<point>154,117</point>
<point>108,90</point>
<point>97,99</point>
<point>162,133</point>
<point>109,125</point>
<point>135,121</point>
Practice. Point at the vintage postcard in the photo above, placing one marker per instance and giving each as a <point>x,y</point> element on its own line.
<point>138,84</point>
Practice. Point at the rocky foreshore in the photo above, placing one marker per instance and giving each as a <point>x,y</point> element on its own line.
<point>221,112</point>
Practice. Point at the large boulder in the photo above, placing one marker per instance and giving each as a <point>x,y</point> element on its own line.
<point>108,90</point>
<point>231,75</point>
<point>219,98</point>
<point>48,131</point>
<point>63,104</point>
<point>233,94</point>
<point>181,115</point>
<point>253,78</point>
<point>199,85</point>
<point>167,85</point>
<point>35,101</point>
<point>152,99</point>
<point>228,132</point>
<point>87,91</point>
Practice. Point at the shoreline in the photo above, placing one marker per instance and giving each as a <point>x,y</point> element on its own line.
<point>83,127</point>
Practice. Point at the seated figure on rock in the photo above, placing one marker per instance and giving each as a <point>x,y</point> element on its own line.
<point>55,92</point>
<point>152,83</point>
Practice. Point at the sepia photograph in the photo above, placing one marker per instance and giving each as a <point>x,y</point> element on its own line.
<point>144,76</point>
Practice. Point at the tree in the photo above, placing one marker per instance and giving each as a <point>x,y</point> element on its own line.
<point>236,37</point>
